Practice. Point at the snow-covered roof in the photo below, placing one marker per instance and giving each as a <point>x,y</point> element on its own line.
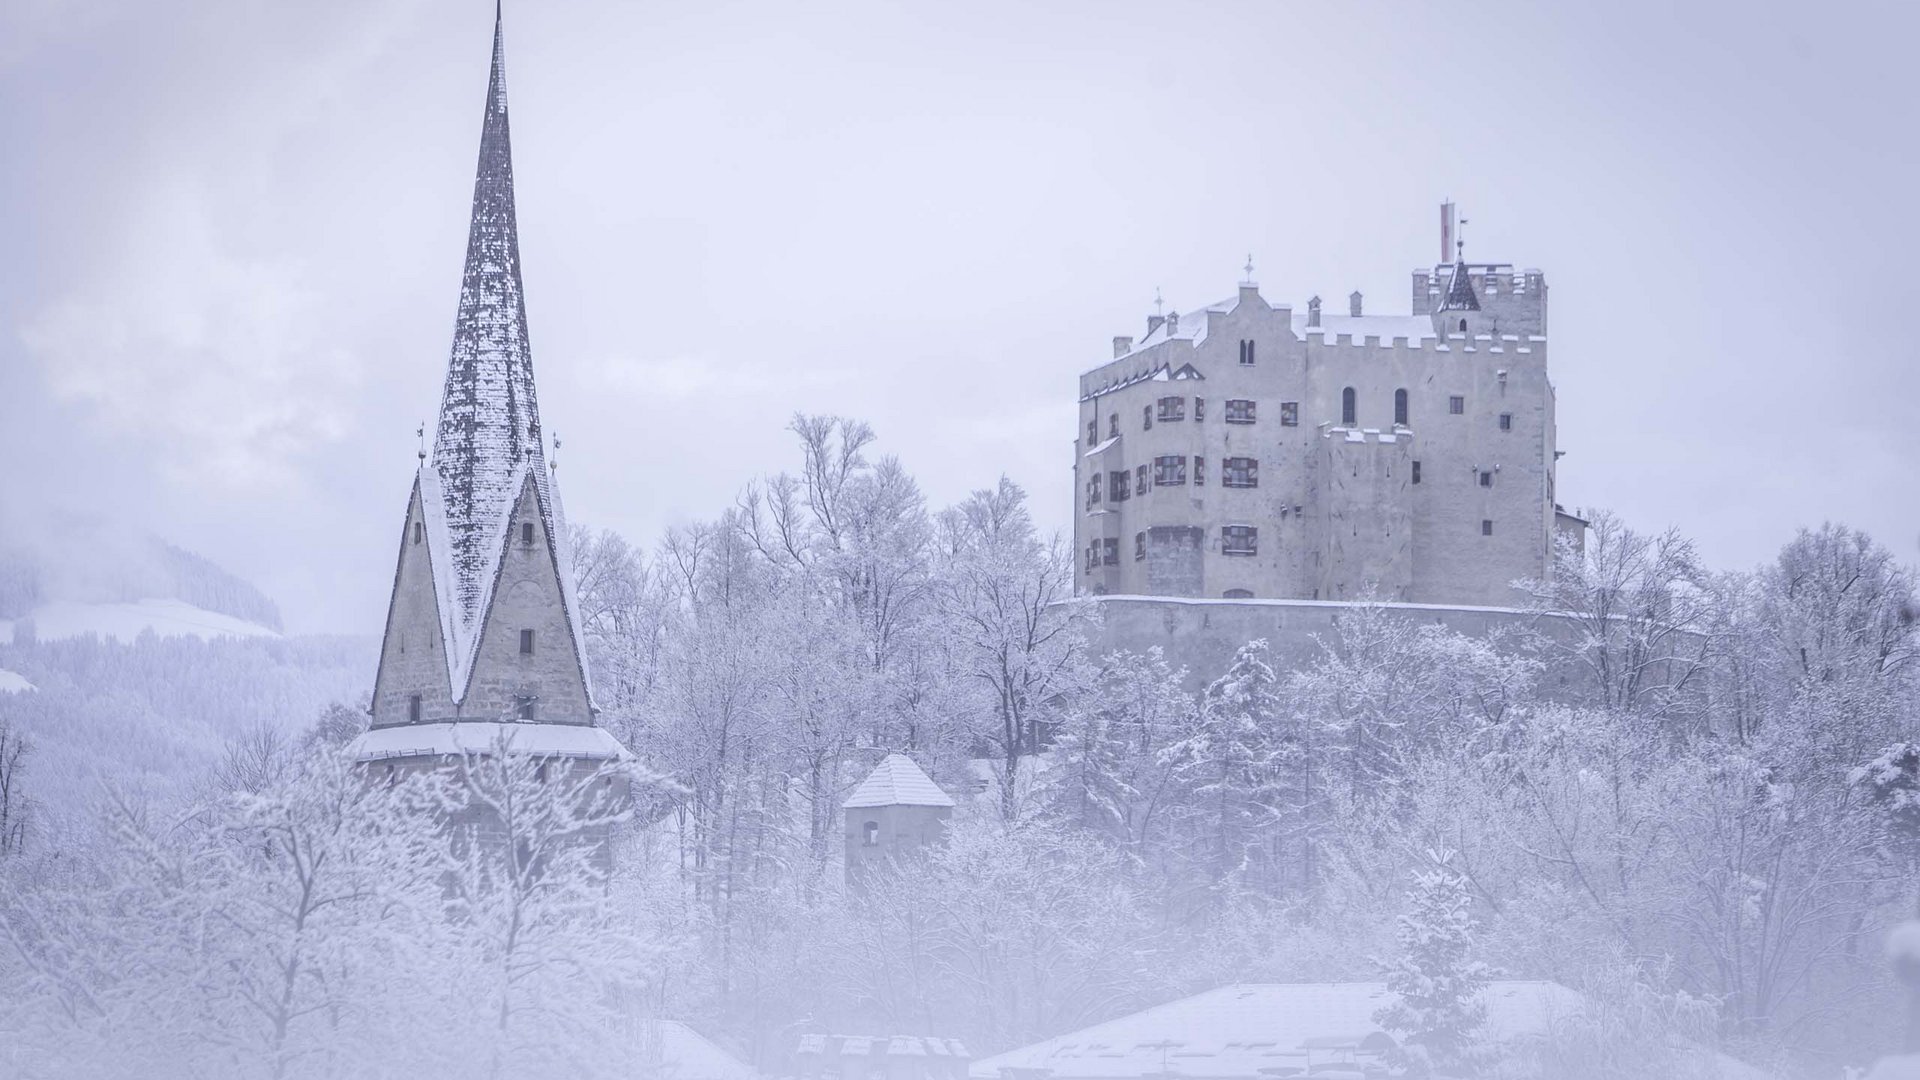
<point>1103,447</point>
<point>478,736</point>
<point>897,781</point>
<point>12,682</point>
<point>1247,1029</point>
<point>677,1052</point>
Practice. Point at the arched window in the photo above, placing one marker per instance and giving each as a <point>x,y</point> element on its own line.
<point>1463,326</point>
<point>870,834</point>
<point>1348,409</point>
<point>419,532</point>
<point>1400,407</point>
<point>413,709</point>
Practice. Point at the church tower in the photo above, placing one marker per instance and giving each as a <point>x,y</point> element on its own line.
<point>483,629</point>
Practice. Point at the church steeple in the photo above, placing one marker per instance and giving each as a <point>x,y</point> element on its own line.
<point>1460,294</point>
<point>484,625</point>
<point>489,415</point>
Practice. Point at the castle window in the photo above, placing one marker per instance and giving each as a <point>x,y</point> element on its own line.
<point>1239,411</point>
<point>1463,326</point>
<point>1139,546</point>
<point>1170,469</point>
<point>1119,486</point>
<point>1289,414</point>
<point>1199,409</point>
<point>1349,406</point>
<point>1093,491</point>
<point>1239,540</point>
<point>1140,480</point>
<point>1110,552</point>
<point>526,643</point>
<point>1400,407</point>
<point>1146,417</point>
<point>1486,527</point>
<point>1172,408</point>
<point>1093,432</point>
<point>1486,479</point>
<point>525,702</point>
<point>1113,425</point>
<point>1506,421</point>
<point>1416,471</point>
<point>413,709</point>
<point>1199,471</point>
<point>1237,594</point>
<point>1093,555</point>
<point>419,532</point>
<point>1239,472</point>
<point>870,834</point>
<point>1246,353</point>
<point>1456,405</point>
<point>526,532</point>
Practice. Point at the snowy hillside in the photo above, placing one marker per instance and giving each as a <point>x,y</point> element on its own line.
<point>126,621</point>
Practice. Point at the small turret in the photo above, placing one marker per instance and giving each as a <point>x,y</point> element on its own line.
<point>895,811</point>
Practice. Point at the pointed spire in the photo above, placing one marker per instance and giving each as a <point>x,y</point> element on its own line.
<point>489,418</point>
<point>1460,294</point>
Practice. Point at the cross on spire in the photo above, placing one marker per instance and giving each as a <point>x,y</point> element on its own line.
<point>1249,277</point>
<point>1460,242</point>
<point>1159,305</point>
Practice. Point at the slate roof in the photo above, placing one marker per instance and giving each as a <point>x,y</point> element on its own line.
<point>1460,294</point>
<point>897,781</point>
<point>487,448</point>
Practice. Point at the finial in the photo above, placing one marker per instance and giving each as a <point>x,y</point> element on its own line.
<point>1158,304</point>
<point>1249,279</point>
<point>1460,242</point>
<point>553,463</point>
<point>421,434</point>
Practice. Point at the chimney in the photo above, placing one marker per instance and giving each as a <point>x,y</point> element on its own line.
<point>1353,304</point>
<point>1173,323</point>
<point>1313,312</point>
<point>1122,346</point>
<point>1153,323</point>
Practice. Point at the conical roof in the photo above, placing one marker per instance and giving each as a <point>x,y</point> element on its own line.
<point>897,781</point>
<point>1460,294</point>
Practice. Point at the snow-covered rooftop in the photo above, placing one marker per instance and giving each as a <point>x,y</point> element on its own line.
<point>1252,1029</point>
<point>12,682</point>
<point>479,736</point>
<point>897,781</point>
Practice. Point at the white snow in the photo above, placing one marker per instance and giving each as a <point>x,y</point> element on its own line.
<point>1898,1067</point>
<point>1903,942</point>
<point>478,736</point>
<point>126,621</point>
<point>1245,1029</point>
<point>897,781</point>
<point>1103,447</point>
<point>12,682</point>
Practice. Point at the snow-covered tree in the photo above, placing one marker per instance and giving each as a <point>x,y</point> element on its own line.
<point>1436,978</point>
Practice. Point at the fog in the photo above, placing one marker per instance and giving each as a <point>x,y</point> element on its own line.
<point>878,706</point>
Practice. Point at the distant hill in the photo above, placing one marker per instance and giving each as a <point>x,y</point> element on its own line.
<point>88,579</point>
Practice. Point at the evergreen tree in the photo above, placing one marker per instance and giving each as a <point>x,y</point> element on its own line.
<point>1437,983</point>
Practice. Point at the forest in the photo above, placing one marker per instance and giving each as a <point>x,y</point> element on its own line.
<point>1695,802</point>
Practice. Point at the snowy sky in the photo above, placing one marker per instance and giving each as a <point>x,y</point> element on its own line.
<point>234,233</point>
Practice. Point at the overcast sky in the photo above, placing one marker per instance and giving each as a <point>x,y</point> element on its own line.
<point>233,234</point>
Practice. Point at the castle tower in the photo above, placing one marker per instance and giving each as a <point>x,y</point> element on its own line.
<point>894,812</point>
<point>483,629</point>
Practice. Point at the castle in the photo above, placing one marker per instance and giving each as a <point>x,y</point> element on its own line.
<point>483,636</point>
<point>1252,451</point>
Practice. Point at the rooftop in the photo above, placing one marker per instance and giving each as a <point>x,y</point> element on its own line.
<point>897,781</point>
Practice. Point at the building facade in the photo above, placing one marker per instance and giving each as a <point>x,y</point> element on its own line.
<point>1249,450</point>
<point>483,637</point>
